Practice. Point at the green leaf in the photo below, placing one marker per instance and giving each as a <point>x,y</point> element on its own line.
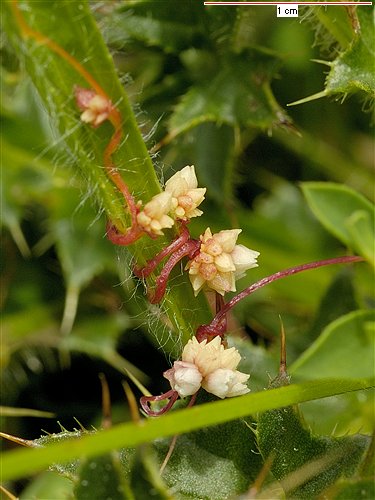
<point>361,229</point>
<point>214,147</point>
<point>238,95</point>
<point>344,213</point>
<point>345,349</point>
<point>353,70</point>
<point>219,462</point>
<point>283,439</point>
<point>305,464</point>
<point>101,477</point>
<point>18,463</point>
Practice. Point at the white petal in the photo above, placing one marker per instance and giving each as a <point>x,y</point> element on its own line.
<point>227,239</point>
<point>188,174</point>
<point>181,182</point>
<point>197,281</point>
<point>184,378</point>
<point>244,258</point>
<point>225,383</point>
<point>224,263</point>
<point>159,205</point>
<point>222,283</point>
<point>191,349</point>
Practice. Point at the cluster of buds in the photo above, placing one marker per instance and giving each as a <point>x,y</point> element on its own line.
<point>179,201</point>
<point>203,364</point>
<point>220,262</point>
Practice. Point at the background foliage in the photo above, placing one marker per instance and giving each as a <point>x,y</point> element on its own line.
<point>209,87</point>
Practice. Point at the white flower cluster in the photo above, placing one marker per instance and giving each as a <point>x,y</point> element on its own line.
<point>209,365</point>
<point>220,262</point>
<point>179,200</point>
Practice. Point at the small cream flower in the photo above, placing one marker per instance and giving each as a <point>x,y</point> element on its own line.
<point>210,365</point>
<point>225,383</point>
<point>96,108</point>
<point>220,262</point>
<point>186,196</point>
<point>153,218</point>
<point>184,378</point>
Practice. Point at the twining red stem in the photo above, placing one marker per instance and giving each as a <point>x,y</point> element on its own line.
<point>171,396</point>
<point>190,248</point>
<point>177,243</point>
<point>216,326</point>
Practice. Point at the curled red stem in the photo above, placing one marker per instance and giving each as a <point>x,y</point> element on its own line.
<point>171,396</point>
<point>177,243</point>
<point>190,248</point>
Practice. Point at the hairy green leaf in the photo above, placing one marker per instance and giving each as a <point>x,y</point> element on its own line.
<point>218,462</point>
<point>305,464</point>
<point>353,70</point>
<point>238,95</point>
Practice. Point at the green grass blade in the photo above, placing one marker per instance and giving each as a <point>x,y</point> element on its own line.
<point>19,463</point>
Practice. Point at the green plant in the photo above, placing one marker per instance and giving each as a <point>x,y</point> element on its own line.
<point>208,72</point>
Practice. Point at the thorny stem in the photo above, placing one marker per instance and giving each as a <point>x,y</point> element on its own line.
<point>216,326</point>
<point>177,243</point>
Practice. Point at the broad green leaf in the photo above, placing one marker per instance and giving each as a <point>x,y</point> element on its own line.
<point>18,463</point>
<point>291,448</point>
<point>219,462</point>
<point>338,207</point>
<point>353,70</point>
<point>362,231</point>
<point>238,95</point>
<point>345,348</point>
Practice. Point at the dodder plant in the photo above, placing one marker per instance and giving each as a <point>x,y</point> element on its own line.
<point>153,224</point>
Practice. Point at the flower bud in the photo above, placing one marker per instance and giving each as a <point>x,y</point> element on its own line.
<point>225,383</point>
<point>184,378</point>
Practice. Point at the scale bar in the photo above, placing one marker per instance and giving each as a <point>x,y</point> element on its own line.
<point>343,4</point>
